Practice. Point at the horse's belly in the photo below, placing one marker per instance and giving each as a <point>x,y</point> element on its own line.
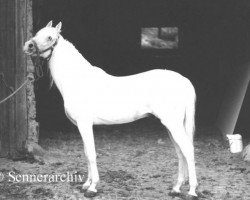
<point>99,120</point>
<point>119,115</point>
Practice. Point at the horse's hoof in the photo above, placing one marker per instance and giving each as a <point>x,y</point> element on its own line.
<point>83,190</point>
<point>173,193</point>
<point>191,197</point>
<point>90,194</point>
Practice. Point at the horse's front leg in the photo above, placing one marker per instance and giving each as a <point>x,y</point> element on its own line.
<point>86,130</point>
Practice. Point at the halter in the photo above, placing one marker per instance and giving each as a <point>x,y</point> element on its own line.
<point>39,52</point>
<point>38,63</point>
<point>38,69</point>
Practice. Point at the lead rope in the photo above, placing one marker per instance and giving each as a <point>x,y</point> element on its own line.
<point>13,93</point>
<point>38,72</point>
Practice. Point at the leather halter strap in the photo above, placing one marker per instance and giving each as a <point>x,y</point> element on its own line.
<point>51,48</point>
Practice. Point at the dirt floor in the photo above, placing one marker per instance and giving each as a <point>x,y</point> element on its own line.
<point>136,161</point>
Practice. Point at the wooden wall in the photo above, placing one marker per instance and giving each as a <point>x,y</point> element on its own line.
<point>15,28</point>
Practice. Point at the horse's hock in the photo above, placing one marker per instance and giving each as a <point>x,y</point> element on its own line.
<point>18,126</point>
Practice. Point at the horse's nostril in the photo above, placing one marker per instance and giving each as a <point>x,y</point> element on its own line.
<point>31,45</point>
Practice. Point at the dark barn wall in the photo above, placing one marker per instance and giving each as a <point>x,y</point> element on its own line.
<point>232,104</point>
<point>243,125</point>
<point>214,38</point>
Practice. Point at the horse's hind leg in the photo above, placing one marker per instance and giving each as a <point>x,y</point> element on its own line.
<point>181,138</point>
<point>182,169</point>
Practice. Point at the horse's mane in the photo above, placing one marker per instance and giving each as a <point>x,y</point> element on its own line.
<point>51,81</point>
<point>70,47</point>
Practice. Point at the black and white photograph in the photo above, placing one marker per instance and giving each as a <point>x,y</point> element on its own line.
<point>124,100</point>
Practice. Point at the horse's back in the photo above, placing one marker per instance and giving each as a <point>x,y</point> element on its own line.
<point>156,80</point>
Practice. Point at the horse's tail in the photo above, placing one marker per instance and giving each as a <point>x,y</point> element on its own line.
<point>189,122</point>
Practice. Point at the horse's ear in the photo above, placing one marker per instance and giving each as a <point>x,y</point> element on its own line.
<point>58,27</point>
<point>49,24</point>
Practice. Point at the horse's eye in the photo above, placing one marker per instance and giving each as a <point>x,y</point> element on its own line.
<point>49,38</point>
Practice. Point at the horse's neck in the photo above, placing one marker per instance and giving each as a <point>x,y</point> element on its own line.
<point>65,52</point>
<point>68,67</point>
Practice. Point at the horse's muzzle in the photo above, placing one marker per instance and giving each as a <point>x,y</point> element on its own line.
<point>29,48</point>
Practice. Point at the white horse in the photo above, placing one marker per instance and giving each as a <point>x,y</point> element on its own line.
<point>92,96</point>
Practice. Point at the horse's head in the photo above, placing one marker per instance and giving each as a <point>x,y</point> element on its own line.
<point>43,43</point>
